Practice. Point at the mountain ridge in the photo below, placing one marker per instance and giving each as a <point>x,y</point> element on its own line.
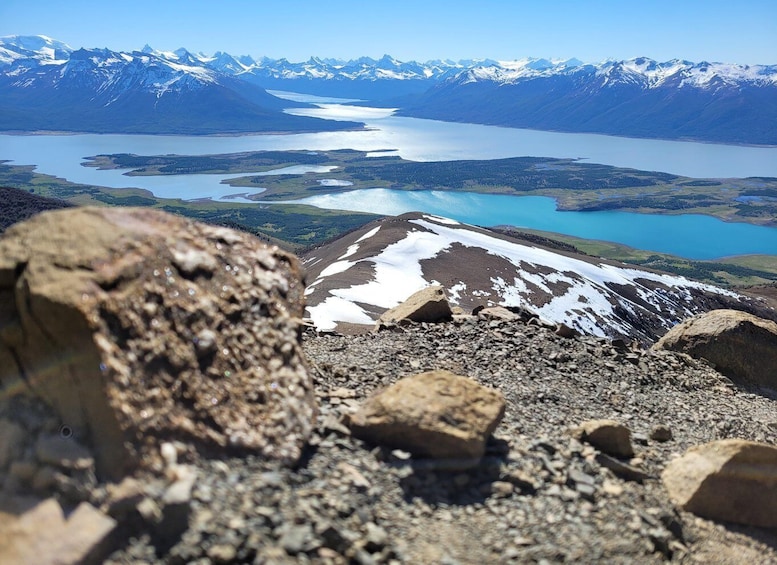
<point>353,280</point>
<point>104,91</point>
<point>634,98</point>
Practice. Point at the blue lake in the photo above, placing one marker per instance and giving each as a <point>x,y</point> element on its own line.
<point>689,235</point>
<point>427,140</point>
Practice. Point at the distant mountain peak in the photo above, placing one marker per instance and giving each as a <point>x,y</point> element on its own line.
<point>34,42</point>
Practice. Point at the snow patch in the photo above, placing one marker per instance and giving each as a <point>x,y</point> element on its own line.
<point>334,309</point>
<point>350,251</point>
<point>454,292</point>
<point>441,220</point>
<point>369,234</point>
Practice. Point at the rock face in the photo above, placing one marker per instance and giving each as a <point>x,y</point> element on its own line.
<point>435,414</point>
<point>137,325</point>
<point>427,305</point>
<point>740,345</point>
<point>732,480</point>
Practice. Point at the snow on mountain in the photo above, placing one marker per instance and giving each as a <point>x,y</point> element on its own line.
<point>34,44</point>
<point>638,97</point>
<point>364,68</point>
<point>641,70</point>
<point>45,85</point>
<point>34,50</point>
<point>357,278</point>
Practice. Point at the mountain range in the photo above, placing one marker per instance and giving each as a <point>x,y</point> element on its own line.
<point>636,98</point>
<point>46,85</point>
<point>355,279</point>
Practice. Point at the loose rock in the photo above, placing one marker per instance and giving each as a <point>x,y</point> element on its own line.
<point>497,313</point>
<point>740,345</point>
<point>731,480</point>
<point>606,435</point>
<point>44,536</point>
<point>661,433</point>
<point>427,305</point>
<point>436,414</point>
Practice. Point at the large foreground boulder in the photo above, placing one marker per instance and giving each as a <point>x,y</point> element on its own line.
<point>732,480</point>
<point>740,345</point>
<point>436,414</point>
<point>138,326</point>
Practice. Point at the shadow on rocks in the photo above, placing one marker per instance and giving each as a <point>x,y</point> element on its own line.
<point>454,481</point>
<point>765,536</point>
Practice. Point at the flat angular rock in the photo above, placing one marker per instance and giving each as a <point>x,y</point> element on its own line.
<point>427,305</point>
<point>436,414</point>
<point>497,313</point>
<point>732,480</point>
<point>606,435</point>
<point>741,346</point>
<point>139,327</point>
<point>43,535</point>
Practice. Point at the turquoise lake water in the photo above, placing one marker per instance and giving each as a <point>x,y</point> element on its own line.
<point>689,235</point>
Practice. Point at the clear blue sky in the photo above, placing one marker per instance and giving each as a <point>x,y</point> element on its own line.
<point>743,31</point>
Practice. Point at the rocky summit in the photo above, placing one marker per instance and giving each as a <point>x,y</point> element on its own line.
<point>578,448</point>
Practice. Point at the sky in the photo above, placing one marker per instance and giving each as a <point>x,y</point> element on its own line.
<point>743,32</point>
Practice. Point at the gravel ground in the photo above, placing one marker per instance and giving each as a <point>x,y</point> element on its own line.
<point>539,496</point>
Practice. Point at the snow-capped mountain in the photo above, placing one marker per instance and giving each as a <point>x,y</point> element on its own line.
<point>356,278</point>
<point>638,97</point>
<point>640,71</point>
<point>38,48</point>
<point>364,77</point>
<point>45,85</point>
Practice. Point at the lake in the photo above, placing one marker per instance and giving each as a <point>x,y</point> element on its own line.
<point>428,140</point>
<point>692,236</point>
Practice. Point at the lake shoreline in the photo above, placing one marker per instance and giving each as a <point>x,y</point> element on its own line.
<point>433,142</point>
